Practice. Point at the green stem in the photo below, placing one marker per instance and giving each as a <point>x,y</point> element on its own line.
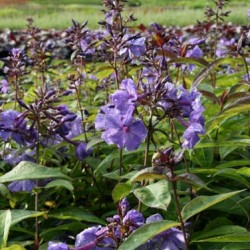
<point>178,210</point>
<point>120,162</point>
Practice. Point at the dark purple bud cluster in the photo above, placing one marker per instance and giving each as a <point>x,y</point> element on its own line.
<point>120,226</point>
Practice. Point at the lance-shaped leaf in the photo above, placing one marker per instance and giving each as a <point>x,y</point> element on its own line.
<point>60,183</point>
<point>189,60</point>
<point>236,237</point>
<point>19,215</point>
<point>156,195</point>
<point>201,203</point>
<point>5,222</point>
<point>145,233</point>
<point>14,247</point>
<point>120,191</point>
<point>152,173</point>
<point>26,170</point>
<point>93,142</point>
<point>211,67</point>
<point>190,179</point>
<point>220,231</point>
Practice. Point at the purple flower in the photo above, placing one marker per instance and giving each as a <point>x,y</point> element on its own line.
<point>23,185</point>
<point>248,13</point>
<point>5,86</point>
<point>57,246</point>
<point>123,205</point>
<point>13,124</point>
<point>82,152</point>
<point>133,219</point>
<point>188,100</point>
<point>196,52</point>
<point>126,96</point>
<point>124,130</point>
<point>191,135</point>
<point>94,238</point>
<point>171,239</point>
<point>134,47</point>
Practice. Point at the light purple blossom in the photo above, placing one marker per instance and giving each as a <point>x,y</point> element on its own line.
<point>5,86</point>
<point>124,130</point>
<point>94,238</point>
<point>191,135</point>
<point>171,239</point>
<point>23,185</point>
<point>248,13</point>
<point>82,152</point>
<point>126,96</point>
<point>133,218</point>
<point>57,246</point>
<point>134,47</point>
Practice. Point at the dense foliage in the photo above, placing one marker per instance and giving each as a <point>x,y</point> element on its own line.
<point>139,141</point>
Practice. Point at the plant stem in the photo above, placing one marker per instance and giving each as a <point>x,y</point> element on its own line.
<point>178,210</point>
<point>120,162</point>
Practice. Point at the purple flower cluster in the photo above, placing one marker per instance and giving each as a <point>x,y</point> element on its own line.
<point>116,119</point>
<point>21,130</point>
<point>119,228</point>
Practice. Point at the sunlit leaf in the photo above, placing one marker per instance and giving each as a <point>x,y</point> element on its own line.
<point>155,195</point>
<point>145,233</point>
<point>5,223</point>
<point>120,191</point>
<point>201,203</point>
<point>60,183</point>
<point>220,231</point>
<point>30,170</point>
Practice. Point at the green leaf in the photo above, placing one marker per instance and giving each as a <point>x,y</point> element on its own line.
<point>4,191</point>
<point>27,170</point>
<point>223,230</point>
<point>229,112</point>
<point>120,191</point>
<point>155,195</point>
<point>203,156</point>
<point>233,174</point>
<point>78,214</point>
<point>101,168</point>
<point>145,233</point>
<point>93,142</point>
<point>237,237</point>
<point>188,60</point>
<point>5,223</point>
<point>237,163</point>
<point>74,226</point>
<point>14,247</point>
<point>19,215</point>
<point>190,179</point>
<point>240,142</point>
<point>237,246</point>
<point>211,67</point>
<point>152,173</point>
<point>244,171</point>
<point>201,203</point>
<point>60,183</point>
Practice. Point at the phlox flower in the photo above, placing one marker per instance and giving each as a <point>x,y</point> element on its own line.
<point>57,246</point>
<point>5,86</point>
<point>82,152</point>
<point>123,130</point>
<point>191,135</point>
<point>23,185</point>
<point>125,96</point>
<point>94,238</point>
<point>170,239</point>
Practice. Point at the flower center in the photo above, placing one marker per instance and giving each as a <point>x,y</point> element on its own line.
<point>125,129</point>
